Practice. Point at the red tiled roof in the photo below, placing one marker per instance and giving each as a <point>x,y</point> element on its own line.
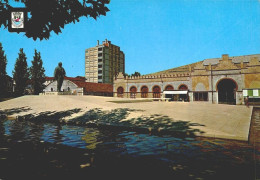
<point>49,78</point>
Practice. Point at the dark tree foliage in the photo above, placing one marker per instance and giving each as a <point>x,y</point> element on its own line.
<point>136,74</point>
<point>125,74</point>
<point>3,79</point>
<point>53,15</point>
<point>20,73</point>
<point>37,75</point>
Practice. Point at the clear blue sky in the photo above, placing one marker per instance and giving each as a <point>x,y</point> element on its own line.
<point>154,34</point>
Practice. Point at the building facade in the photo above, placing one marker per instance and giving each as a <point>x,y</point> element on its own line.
<point>78,86</point>
<point>219,80</point>
<point>103,62</point>
<point>10,85</point>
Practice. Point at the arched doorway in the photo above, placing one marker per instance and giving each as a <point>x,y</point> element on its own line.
<point>144,92</point>
<point>120,91</point>
<point>133,91</point>
<point>226,91</point>
<point>156,92</point>
<point>183,97</point>
<point>169,88</point>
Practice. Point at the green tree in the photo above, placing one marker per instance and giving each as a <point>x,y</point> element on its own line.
<point>20,73</point>
<point>37,75</point>
<point>3,80</point>
<point>136,74</point>
<point>52,15</point>
<point>125,74</point>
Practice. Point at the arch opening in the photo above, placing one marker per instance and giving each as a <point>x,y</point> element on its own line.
<point>169,88</point>
<point>120,91</point>
<point>171,96</point>
<point>133,91</point>
<point>226,91</point>
<point>183,97</point>
<point>144,92</point>
<point>183,87</point>
<point>156,92</point>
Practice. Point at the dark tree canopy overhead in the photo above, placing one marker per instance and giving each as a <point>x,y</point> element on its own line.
<point>52,15</point>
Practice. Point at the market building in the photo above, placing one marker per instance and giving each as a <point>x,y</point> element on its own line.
<point>225,80</point>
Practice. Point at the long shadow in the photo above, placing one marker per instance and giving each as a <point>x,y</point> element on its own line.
<point>7,112</point>
<point>115,120</point>
<point>155,124</point>
<point>50,116</point>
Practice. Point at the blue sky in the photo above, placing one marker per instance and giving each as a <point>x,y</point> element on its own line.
<point>154,34</point>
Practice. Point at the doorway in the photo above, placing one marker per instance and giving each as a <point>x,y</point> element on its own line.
<point>227,91</point>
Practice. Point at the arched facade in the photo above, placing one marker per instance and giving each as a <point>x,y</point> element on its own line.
<point>169,87</point>
<point>210,80</point>
<point>133,91</point>
<point>144,92</point>
<point>156,91</point>
<point>120,91</point>
<point>226,88</point>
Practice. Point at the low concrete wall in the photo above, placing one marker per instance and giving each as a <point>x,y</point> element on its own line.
<point>79,93</point>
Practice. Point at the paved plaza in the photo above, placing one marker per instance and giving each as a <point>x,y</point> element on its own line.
<point>219,121</point>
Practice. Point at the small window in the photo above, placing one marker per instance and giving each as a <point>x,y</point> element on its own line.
<point>100,66</point>
<point>99,71</point>
<point>100,54</point>
<point>99,49</point>
<point>99,60</point>
<point>99,77</point>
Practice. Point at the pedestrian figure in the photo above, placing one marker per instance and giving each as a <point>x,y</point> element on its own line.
<point>246,101</point>
<point>59,75</point>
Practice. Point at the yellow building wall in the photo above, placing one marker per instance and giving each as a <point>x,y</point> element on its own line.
<point>252,80</point>
<point>200,79</point>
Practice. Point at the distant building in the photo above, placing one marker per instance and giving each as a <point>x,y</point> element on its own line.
<point>10,85</point>
<point>103,62</point>
<point>219,80</point>
<point>78,86</point>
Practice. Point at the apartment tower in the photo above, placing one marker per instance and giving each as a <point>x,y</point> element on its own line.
<point>103,62</point>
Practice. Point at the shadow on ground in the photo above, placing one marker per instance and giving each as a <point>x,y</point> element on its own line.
<point>115,120</point>
<point>9,112</point>
<point>155,124</point>
<point>50,116</point>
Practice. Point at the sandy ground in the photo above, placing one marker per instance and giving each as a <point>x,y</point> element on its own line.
<point>220,121</point>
